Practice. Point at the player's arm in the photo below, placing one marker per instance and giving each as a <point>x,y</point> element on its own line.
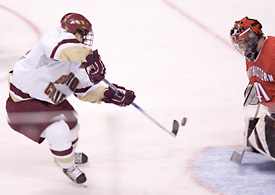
<point>90,60</point>
<point>99,93</point>
<point>94,94</point>
<point>75,53</point>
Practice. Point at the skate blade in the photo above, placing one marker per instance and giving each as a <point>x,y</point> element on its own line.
<point>83,185</point>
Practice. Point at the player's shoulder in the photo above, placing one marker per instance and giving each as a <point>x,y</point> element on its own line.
<point>270,37</point>
<point>270,40</point>
<point>63,34</point>
<point>268,46</point>
<point>267,51</point>
<point>58,34</point>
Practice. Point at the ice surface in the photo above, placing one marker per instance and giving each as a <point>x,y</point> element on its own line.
<point>176,56</point>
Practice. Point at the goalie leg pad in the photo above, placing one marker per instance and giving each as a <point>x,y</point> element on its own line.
<point>250,126</point>
<point>257,138</point>
<point>270,134</point>
<point>263,138</point>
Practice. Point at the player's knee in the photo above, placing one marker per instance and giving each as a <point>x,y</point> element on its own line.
<point>264,137</point>
<point>58,134</point>
<point>74,133</point>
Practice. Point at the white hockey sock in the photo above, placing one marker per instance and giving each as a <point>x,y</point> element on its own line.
<point>60,138</point>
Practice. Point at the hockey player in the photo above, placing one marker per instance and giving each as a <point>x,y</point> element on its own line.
<point>60,64</point>
<point>259,50</point>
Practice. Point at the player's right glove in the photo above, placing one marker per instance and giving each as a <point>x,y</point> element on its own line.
<point>94,67</point>
<point>125,98</point>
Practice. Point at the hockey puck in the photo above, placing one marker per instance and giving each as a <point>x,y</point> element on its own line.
<point>183,121</point>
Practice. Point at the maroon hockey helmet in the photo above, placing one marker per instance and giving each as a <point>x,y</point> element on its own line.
<point>73,21</point>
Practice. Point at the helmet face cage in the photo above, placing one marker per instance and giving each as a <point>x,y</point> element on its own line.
<point>88,39</point>
<point>245,42</point>
<point>245,36</point>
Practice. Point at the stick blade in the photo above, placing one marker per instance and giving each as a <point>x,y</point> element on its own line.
<point>175,127</point>
<point>236,157</point>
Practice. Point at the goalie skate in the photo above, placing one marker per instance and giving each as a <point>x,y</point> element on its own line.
<point>75,174</point>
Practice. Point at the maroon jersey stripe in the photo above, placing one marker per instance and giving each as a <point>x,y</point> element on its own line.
<point>75,141</point>
<point>63,153</point>
<point>82,90</point>
<point>19,92</point>
<point>61,43</point>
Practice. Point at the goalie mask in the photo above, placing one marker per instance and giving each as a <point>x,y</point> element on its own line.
<point>73,22</point>
<point>245,35</point>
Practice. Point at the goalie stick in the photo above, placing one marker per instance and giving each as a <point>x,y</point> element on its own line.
<point>237,157</point>
<point>175,127</point>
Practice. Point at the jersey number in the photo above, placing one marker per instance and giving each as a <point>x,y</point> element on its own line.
<point>260,92</point>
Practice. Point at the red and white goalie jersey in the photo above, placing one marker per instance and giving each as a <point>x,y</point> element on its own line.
<point>261,74</point>
<point>51,71</point>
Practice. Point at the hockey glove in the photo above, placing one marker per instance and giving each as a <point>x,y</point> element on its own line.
<point>125,98</point>
<point>94,67</point>
<point>250,96</point>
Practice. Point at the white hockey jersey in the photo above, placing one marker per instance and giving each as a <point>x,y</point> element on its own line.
<point>51,71</point>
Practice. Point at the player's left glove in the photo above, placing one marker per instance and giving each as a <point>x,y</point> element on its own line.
<point>125,98</point>
<point>94,67</point>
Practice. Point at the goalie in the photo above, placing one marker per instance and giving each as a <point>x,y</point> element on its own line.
<point>62,63</point>
<point>259,51</point>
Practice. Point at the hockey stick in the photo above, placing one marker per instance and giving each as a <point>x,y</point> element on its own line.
<point>175,127</point>
<point>237,157</point>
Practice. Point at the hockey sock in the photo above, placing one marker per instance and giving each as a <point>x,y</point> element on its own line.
<point>64,158</point>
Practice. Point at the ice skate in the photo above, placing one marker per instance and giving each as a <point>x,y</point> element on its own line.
<point>75,174</point>
<point>80,158</point>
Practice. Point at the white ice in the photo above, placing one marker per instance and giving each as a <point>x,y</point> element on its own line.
<point>180,63</point>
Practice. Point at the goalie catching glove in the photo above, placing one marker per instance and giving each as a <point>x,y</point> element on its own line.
<point>125,98</point>
<point>94,67</point>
